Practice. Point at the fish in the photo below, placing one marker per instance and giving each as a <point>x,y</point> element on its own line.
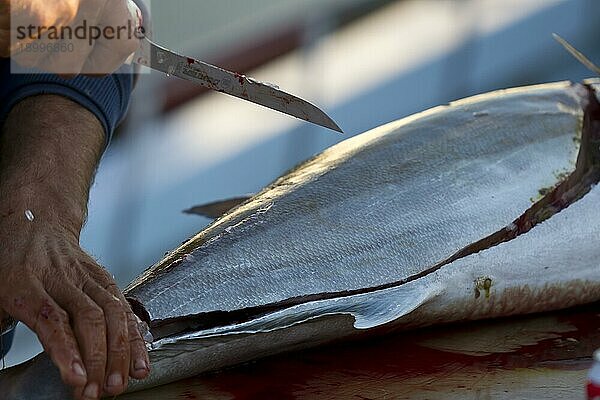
<point>482,208</point>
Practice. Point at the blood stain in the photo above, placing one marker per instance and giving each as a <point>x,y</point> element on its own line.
<point>46,310</point>
<point>19,302</point>
<point>240,78</point>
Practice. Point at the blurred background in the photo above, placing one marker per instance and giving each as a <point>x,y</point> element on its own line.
<point>364,62</point>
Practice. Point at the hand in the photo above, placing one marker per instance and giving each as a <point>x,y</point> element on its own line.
<point>48,152</point>
<point>69,37</point>
<point>74,306</point>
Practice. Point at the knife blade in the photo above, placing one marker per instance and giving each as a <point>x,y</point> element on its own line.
<point>164,60</point>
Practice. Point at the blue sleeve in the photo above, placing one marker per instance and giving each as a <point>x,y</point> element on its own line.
<point>107,98</point>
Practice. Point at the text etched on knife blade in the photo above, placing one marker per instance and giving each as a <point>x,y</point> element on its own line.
<point>199,75</point>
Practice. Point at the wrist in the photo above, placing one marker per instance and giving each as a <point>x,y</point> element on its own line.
<point>49,149</point>
<point>41,205</point>
<point>36,207</point>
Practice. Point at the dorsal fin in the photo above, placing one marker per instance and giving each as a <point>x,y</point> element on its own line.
<point>218,208</point>
<point>577,54</point>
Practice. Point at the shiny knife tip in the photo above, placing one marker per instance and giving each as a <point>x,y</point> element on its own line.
<point>330,124</point>
<point>336,128</point>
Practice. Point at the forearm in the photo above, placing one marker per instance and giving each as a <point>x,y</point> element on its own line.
<point>49,149</point>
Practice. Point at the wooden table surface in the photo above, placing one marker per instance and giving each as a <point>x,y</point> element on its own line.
<point>544,356</point>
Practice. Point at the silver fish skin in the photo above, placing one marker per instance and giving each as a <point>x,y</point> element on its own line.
<point>369,236</point>
<point>377,208</point>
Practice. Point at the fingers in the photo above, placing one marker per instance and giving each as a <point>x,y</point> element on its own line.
<point>72,51</point>
<point>107,37</point>
<point>140,365</point>
<point>56,13</point>
<point>90,330</point>
<point>106,57</point>
<point>33,47</point>
<point>85,325</point>
<point>117,360</point>
<point>32,305</point>
<point>101,319</point>
<point>111,51</point>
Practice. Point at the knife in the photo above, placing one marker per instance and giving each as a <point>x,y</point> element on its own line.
<point>164,60</point>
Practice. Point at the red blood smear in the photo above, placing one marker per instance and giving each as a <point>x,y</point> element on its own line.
<point>395,358</point>
<point>45,311</point>
<point>593,391</point>
<point>19,302</point>
<point>240,78</point>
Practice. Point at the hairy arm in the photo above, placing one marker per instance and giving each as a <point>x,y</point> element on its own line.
<point>49,149</point>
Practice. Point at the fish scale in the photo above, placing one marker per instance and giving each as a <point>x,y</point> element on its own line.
<point>323,243</point>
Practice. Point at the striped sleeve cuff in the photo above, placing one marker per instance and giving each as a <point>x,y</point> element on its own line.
<point>107,97</point>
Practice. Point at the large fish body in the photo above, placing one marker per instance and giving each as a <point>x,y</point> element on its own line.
<point>483,208</point>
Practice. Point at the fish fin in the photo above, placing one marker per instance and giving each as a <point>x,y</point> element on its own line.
<point>391,305</point>
<point>368,309</point>
<point>577,54</point>
<point>217,209</point>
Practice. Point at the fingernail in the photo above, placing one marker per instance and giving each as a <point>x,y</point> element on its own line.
<point>91,391</point>
<point>140,364</point>
<point>115,380</point>
<point>78,369</point>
